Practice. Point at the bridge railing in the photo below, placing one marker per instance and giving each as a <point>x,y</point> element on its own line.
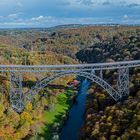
<point>56,68</point>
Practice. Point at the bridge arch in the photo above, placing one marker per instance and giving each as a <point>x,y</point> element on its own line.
<point>44,82</point>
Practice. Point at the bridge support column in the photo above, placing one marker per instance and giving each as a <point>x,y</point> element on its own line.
<point>101,74</point>
<point>16,94</point>
<point>123,82</point>
<point>93,72</point>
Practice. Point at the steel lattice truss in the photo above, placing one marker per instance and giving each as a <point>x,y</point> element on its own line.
<point>123,82</point>
<point>93,72</point>
<point>16,91</point>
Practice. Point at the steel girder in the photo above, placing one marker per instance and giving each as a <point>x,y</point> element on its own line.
<point>64,68</point>
<point>28,96</point>
<point>19,100</point>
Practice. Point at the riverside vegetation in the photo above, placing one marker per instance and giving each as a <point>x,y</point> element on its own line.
<point>104,119</point>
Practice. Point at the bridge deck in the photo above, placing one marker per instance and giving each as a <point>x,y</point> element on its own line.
<point>56,68</point>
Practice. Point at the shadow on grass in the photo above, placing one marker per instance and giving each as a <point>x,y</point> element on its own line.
<point>59,120</point>
<point>54,129</point>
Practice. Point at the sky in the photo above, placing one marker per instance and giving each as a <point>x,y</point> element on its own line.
<point>48,13</point>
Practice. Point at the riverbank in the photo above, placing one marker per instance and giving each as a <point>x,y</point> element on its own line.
<point>55,118</point>
<point>64,116</point>
<point>108,120</point>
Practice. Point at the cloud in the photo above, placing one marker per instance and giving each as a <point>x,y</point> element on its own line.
<point>42,18</point>
<point>49,21</point>
<point>38,18</point>
<point>133,5</point>
<point>125,16</point>
<point>106,3</point>
<point>86,2</point>
<point>12,15</point>
<point>19,4</point>
<point>43,13</point>
<point>63,3</point>
<point>10,2</point>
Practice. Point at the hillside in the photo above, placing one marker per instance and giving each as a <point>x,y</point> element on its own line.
<point>104,119</point>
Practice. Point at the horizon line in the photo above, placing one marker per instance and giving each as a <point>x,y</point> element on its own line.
<point>59,25</point>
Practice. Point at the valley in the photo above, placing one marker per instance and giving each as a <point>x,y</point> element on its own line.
<point>46,117</point>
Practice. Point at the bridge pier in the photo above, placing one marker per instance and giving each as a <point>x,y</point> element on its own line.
<point>16,93</point>
<point>123,82</point>
<point>93,72</point>
<point>101,74</point>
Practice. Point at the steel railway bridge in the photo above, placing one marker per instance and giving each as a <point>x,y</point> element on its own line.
<point>93,72</point>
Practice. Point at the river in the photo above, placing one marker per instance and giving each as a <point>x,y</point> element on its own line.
<point>71,129</point>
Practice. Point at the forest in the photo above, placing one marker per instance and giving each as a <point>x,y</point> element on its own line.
<point>104,118</point>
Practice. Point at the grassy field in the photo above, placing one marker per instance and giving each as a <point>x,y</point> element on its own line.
<point>54,119</point>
